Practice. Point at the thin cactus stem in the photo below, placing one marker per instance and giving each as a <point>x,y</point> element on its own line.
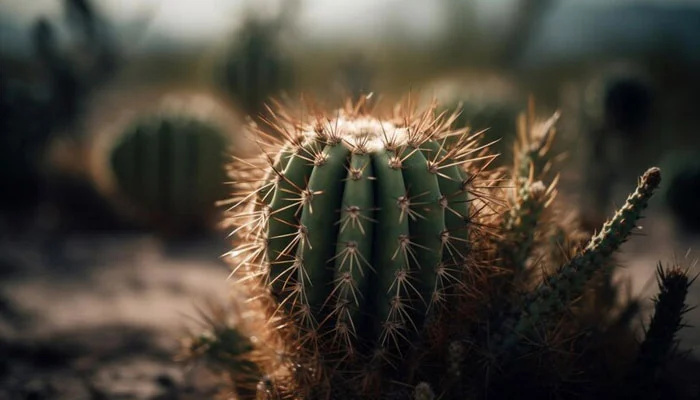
<point>557,290</point>
<point>530,197</point>
<point>660,338</point>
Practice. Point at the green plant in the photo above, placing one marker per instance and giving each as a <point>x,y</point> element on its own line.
<point>497,120</point>
<point>167,169</point>
<point>378,259</point>
<point>41,98</point>
<point>254,67</point>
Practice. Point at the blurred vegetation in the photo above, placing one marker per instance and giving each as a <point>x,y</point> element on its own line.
<point>254,66</point>
<point>165,168</point>
<point>614,103</point>
<point>47,95</point>
<point>625,76</point>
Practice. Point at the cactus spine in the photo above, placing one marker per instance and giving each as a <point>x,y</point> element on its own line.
<point>379,259</point>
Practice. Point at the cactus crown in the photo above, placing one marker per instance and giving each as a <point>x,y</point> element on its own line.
<point>378,259</point>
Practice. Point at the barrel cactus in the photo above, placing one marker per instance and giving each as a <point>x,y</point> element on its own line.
<point>378,256</point>
<point>166,169</point>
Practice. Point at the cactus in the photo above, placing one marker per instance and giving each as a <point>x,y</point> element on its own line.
<point>378,259</point>
<point>37,107</point>
<point>254,68</point>
<point>167,168</point>
<point>496,118</point>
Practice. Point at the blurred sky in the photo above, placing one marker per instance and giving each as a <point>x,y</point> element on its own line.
<point>187,22</point>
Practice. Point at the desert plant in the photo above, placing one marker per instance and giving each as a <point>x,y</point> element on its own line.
<point>375,258</point>
<point>36,106</point>
<point>496,119</point>
<point>254,67</point>
<point>165,169</point>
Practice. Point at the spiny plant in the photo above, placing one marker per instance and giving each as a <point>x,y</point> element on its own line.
<point>254,68</point>
<point>34,107</point>
<point>167,169</point>
<point>379,256</point>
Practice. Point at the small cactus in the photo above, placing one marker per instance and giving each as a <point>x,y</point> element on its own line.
<point>166,168</point>
<point>381,258</point>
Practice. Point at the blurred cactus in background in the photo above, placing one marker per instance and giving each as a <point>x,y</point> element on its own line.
<point>166,168</point>
<point>23,133</point>
<point>497,121</point>
<point>491,109</point>
<point>355,76</point>
<point>30,114</point>
<point>616,117</point>
<point>628,105</point>
<point>70,75</point>
<point>378,255</point>
<point>255,67</point>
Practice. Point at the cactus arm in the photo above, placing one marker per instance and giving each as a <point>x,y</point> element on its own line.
<point>530,197</point>
<point>555,293</point>
<point>660,342</point>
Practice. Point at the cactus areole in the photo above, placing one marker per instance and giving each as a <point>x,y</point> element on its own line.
<point>364,223</point>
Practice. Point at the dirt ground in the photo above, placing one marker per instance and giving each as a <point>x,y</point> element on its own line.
<point>99,316</point>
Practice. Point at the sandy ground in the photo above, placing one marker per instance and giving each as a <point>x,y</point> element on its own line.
<point>102,318</point>
<point>99,317</point>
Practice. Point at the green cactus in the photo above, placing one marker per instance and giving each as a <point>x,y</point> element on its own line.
<point>169,169</point>
<point>254,69</point>
<point>381,281</point>
<point>379,257</point>
<point>496,118</point>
